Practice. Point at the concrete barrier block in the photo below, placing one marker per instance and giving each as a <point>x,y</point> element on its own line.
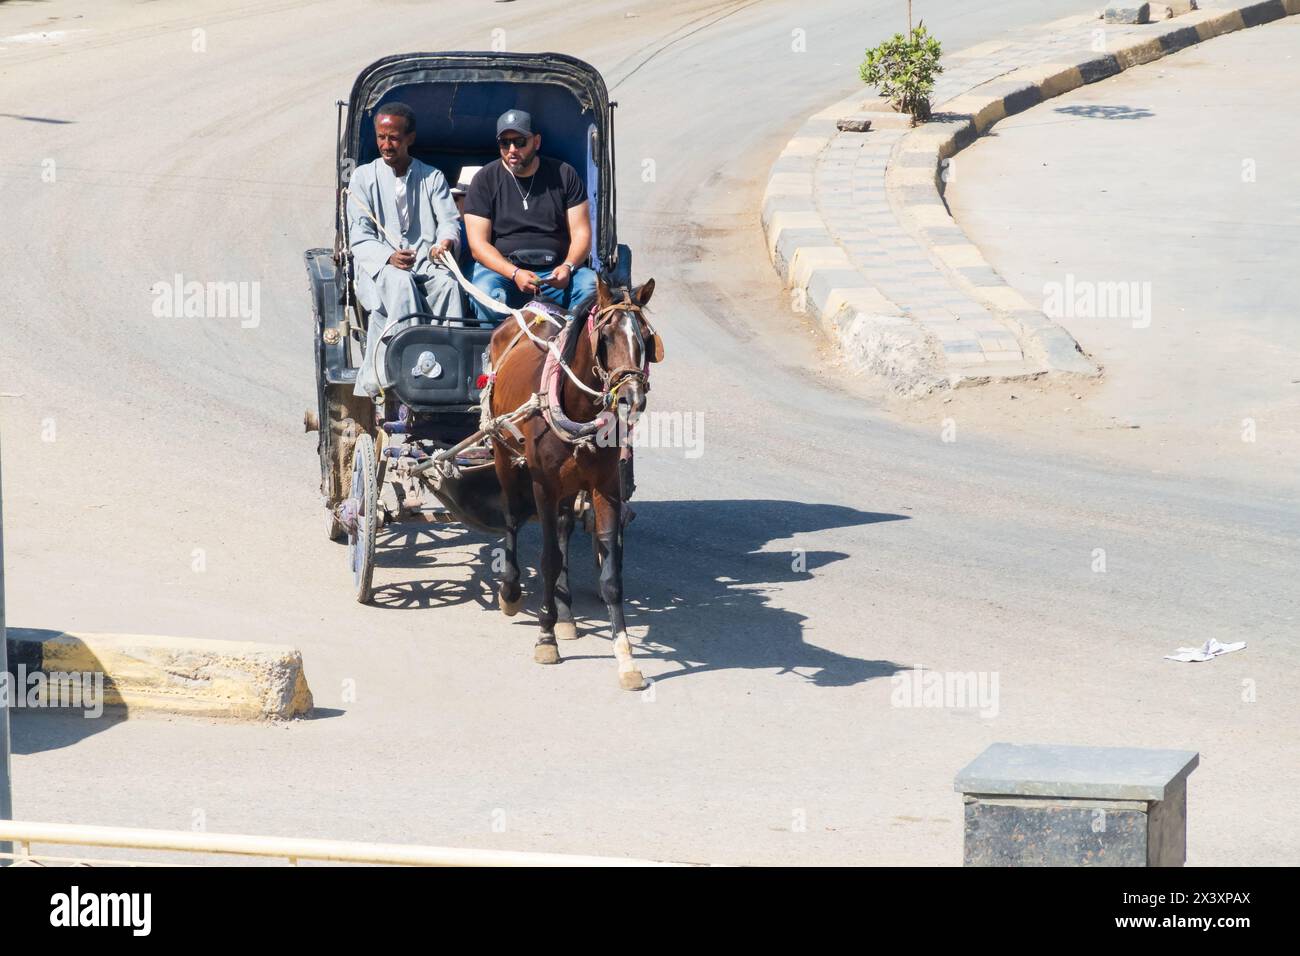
<point>1046,805</point>
<point>1128,13</point>
<point>177,675</point>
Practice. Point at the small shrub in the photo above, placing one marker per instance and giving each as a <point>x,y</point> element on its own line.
<point>903,69</point>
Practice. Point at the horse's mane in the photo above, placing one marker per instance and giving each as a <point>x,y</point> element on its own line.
<point>573,329</point>
<point>579,316</point>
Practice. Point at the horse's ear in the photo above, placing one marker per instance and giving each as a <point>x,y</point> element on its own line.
<point>643,292</point>
<point>603,297</point>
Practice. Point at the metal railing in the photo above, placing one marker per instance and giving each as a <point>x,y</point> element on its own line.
<point>6,795</point>
<point>292,849</point>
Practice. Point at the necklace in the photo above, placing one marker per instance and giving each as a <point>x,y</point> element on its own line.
<point>531,181</point>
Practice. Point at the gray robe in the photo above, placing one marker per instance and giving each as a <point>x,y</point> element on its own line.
<point>385,290</point>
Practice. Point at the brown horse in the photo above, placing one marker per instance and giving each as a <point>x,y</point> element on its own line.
<point>574,444</point>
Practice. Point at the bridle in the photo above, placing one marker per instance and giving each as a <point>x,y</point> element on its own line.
<point>547,401</point>
<point>614,379</point>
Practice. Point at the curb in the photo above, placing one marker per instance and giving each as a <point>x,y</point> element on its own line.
<point>176,675</point>
<point>873,333</point>
<point>883,337</point>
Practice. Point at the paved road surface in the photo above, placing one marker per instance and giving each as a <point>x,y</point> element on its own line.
<point>778,579</point>
<point>1177,180</point>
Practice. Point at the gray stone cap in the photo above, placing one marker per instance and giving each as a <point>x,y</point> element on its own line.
<point>1054,770</point>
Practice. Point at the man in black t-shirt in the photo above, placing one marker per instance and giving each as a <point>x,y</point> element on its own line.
<point>528,223</point>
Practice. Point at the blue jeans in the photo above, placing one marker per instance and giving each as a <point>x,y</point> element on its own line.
<point>581,284</point>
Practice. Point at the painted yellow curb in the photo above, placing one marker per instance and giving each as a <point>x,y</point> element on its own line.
<point>983,110</point>
<point>1052,79</point>
<point>791,219</point>
<point>1135,54</point>
<point>963,255</point>
<point>808,259</point>
<point>1002,297</point>
<point>178,675</point>
<point>1211,23</point>
<point>869,301</point>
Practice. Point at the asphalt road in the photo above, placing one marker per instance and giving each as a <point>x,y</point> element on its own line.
<point>815,547</point>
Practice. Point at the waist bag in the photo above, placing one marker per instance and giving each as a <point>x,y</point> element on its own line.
<point>534,259</point>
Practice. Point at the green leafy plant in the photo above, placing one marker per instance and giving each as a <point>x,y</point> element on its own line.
<point>903,69</point>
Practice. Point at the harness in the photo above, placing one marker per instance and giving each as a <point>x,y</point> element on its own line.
<point>546,401</point>
<point>584,434</point>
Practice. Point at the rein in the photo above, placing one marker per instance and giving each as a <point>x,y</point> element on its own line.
<point>547,400</point>
<point>582,433</point>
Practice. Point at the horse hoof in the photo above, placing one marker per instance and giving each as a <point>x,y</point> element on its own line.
<point>566,630</point>
<point>510,608</point>
<point>546,654</point>
<point>631,680</point>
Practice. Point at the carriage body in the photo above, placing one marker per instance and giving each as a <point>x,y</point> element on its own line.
<point>457,98</point>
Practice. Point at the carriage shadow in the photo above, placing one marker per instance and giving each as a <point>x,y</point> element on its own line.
<point>697,585</point>
<point>459,559</point>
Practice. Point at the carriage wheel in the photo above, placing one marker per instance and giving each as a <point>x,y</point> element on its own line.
<point>340,411</point>
<point>364,499</point>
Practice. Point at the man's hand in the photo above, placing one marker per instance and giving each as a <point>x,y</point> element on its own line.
<point>559,277</point>
<point>526,281</point>
<point>402,259</point>
<point>439,249</point>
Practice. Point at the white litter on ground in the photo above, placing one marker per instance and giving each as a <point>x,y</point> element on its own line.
<point>1209,650</point>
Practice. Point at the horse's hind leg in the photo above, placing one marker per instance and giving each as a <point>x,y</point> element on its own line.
<point>546,651</point>
<point>565,628</point>
<point>609,537</point>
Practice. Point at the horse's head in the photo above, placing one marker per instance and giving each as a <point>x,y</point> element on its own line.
<point>624,344</point>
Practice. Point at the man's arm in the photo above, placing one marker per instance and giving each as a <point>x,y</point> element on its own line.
<point>445,213</point>
<point>370,250</point>
<point>579,246</point>
<point>579,234</point>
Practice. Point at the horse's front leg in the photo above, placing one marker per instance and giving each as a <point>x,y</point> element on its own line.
<point>546,651</point>
<point>609,538</point>
<point>509,592</point>
<point>565,628</point>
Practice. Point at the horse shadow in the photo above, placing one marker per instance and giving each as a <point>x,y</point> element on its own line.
<point>697,582</point>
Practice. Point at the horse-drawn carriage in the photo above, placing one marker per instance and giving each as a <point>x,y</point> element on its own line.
<point>457,97</point>
<point>427,433</point>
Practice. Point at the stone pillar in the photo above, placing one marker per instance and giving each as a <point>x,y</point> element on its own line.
<point>1046,805</point>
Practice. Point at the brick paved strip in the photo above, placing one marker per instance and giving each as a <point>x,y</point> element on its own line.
<point>857,226</point>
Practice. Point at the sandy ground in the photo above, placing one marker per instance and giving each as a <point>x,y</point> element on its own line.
<point>157,480</point>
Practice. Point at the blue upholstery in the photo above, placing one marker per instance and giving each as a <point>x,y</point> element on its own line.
<point>456,127</point>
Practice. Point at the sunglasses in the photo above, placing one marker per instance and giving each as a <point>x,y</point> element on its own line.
<point>518,142</point>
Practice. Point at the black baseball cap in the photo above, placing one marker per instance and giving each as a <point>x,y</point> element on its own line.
<point>516,120</point>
